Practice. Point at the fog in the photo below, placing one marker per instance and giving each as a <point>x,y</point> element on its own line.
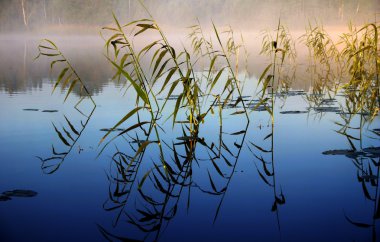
<point>86,16</point>
<point>74,25</point>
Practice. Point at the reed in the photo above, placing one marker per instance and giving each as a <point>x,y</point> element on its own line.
<point>68,75</point>
<point>325,64</point>
<point>172,70</point>
<point>360,49</point>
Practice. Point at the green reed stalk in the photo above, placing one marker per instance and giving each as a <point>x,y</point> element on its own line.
<point>236,81</point>
<point>51,50</point>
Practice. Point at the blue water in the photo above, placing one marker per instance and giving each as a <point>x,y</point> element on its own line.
<point>322,196</point>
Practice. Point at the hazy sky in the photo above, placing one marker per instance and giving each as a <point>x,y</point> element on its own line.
<point>21,15</point>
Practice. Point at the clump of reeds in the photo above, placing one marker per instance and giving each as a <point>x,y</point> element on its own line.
<point>325,63</point>
<point>280,47</point>
<point>280,73</point>
<point>362,60</point>
<point>172,74</point>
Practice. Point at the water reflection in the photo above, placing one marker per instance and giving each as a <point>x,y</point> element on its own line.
<point>7,195</point>
<point>67,136</point>
<point>367,163</point>
<point>207,167</point>
<point>267,168</point>
<point>19,72</point>
<point>186,163</point>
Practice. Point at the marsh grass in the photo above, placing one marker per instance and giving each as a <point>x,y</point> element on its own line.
<point>158,185</point>
<point>280,42</point>
<point>173,71</point>
<point>69,79</point>
<point>360,48</point>
<point>68,76</point>
<point>325,64</point>
<point>350,64</point>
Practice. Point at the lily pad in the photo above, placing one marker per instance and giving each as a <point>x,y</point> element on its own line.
<point>260,108</point>
<point>351,113</point>
<point>327,109</point>
<point>293,112</point>
<point>348,153</point>
<point>49,111</point>
<point>31,109</point>
<point>329,101</point>
<point>4,198</point>
<point>172,97</point>
<point>243,99</point>
<point>370,152</point>
<point>291,93</point>
<point>20,193</point>
<point>111,130</point>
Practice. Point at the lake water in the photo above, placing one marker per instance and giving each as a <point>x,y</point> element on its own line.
<point>302,179</point>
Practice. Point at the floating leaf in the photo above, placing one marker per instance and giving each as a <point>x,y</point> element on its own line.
<point>4,198</point>
<point>238,112</point>
<point>49,111</point>
<point>20,193</point>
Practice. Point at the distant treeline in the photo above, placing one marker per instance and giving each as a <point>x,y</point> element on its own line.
<point>19,15</point>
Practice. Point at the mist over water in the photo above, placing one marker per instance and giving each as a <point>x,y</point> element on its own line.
<point>76,16</point>
<point>75,25</point>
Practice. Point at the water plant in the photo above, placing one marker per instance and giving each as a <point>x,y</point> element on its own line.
<point>160,189</point>
<point>172,68</point>
<point>283,66</point>
<point>280,73</point>
<point>325,64</point>
<point>360,48</point>
<point>68,77</point>
<point>146,190</point>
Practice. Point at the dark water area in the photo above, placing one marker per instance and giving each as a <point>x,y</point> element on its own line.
<point>302,179</point>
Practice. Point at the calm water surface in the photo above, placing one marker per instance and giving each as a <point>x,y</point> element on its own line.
<point>279,183</point>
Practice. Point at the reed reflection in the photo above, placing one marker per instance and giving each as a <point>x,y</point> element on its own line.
<point>67,136</point>
<point>193,163</point>
<point>355,127</point>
